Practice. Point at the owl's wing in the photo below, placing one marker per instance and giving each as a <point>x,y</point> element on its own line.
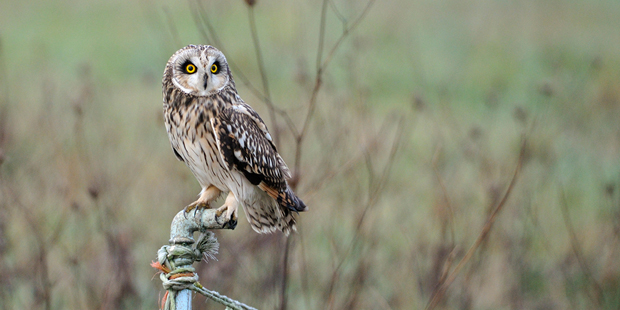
<point>245,144</point>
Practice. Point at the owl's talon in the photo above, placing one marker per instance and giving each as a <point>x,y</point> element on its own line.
<point>208,195</point>
<point>230,224</point>
<point>195,206</point>
<point>229,210</point>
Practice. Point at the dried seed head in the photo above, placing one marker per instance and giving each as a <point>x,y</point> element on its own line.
<point>93,191</point>
<point>418,102</point>
<point>520,114</point>
<point>250,2</point>
<point>609,189</point>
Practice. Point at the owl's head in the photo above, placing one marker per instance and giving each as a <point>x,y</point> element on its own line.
<point>199,70</point>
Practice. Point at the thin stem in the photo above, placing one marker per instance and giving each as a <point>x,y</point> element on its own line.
<point>319,55</point>
<point>446,197</point>
<point>172,27</point>
<point>321,65</point>
<point>263,75</point>
<point>259,54</point>
<point>4,100</point>
<point>205,21</point>
<point>284,283</point>
<point>341,17</point>
<point>198,22</point>
<point>442,287</point>
<point>346,32</point>
<point>374,193</point>
<point>578,254</point>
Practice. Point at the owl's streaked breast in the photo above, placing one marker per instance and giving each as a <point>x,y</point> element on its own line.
<point>192,137</point>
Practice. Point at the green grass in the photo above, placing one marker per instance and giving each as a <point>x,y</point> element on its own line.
<point>89,185</point>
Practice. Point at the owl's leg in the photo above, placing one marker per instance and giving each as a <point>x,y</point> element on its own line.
<point>207,196</point>
<point>230,207</point>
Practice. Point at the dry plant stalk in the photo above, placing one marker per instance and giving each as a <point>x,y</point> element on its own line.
<point>374,193</point>
<point>442,286</point>
<point>597,295</point>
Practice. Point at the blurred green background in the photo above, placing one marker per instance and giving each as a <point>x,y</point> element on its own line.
<point>416,134</point>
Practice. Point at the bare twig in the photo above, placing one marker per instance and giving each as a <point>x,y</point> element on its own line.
<point>339,15</point>
<point>171,26</point>
<point>446,197</point>
<point>373,195</point>
<point>598,291</point>
<point>442,287</point>
<point>382,181</point>
<point>261,68</point>
<point>284,281</point>
<point>319,55</point>
<point>4,99</point>
<point>321,65</point>
<point>346,33</point>
<point>304,264</point>
<point>204,22</point>
<point>199,22</point>
<point>313,189</point>
<point>43,242</point>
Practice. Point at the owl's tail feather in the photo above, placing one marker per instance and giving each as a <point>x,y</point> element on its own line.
<point>287,202</point>
<point>286,198</point>
<point>267,217</point>
<point>288,222</point>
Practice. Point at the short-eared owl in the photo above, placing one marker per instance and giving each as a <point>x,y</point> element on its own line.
<point>224,142</point>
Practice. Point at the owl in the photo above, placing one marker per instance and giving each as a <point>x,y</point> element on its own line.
<point>224,142</point>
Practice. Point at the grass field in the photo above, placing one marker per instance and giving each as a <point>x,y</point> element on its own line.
<point>411,142</point>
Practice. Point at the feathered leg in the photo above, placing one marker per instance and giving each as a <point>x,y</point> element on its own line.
<point>207,196</point>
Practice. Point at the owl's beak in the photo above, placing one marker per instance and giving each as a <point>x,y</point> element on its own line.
<point>206,77</point>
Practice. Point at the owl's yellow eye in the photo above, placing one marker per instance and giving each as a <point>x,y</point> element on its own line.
<point>214,68</point>
<point>190,68</point>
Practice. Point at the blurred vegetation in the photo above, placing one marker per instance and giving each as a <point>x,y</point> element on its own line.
<point>415,136</point>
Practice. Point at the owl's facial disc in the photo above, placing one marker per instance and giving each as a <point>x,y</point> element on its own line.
<point>199,74</point>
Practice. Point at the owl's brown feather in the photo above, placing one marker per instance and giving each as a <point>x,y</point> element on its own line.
<point>245,144</point>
